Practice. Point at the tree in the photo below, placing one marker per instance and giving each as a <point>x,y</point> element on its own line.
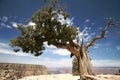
<point>51,26</point>
<point>75,68</point>
<point>119,71</point>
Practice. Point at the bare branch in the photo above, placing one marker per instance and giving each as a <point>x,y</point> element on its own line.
<point>91,43</point>
<point>82,42</point>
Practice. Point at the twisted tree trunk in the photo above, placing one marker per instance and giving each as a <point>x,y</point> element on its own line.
<point>81,53</point>
<point>85,65</point>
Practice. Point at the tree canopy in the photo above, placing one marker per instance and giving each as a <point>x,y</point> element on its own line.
<point>50,25</point>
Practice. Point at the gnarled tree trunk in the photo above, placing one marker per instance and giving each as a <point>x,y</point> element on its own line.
<point>81,53</point>
<point>85,65</point>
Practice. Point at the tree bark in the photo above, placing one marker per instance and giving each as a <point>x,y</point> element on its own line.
<point>85,65</point>
<point>81,68</point>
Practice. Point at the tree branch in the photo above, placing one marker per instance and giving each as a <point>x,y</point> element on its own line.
<point>91,43</point>
<point>72,47</point>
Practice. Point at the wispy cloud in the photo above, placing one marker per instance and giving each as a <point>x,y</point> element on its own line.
<point>21,57</point>
<point>5,49</point>
<point>5,25</point>
<point>31,23</point>
<point>60,18</point>
<point>8,51</point>
<point>87,20</point>
<point>8,26</point>
<point>4,19</point>
<point>50,63</point>
<point>63,62</point>
<point>96,45</point>
<point>106,63</point>
<point>53,50</point>
<point>2,24</point>
<point>85,34</point>
<point>62,52</point>
<point>118,47</point>
<point>100,28</point>
<point>14,24</point>
<point>92,24</point>
<point>3,45</point>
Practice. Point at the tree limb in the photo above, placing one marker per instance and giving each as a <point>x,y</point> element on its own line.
<point>91,43</point>
<point>72,47</point>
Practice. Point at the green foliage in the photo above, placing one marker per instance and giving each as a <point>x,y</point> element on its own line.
<point>75,67</point>
<point>46,29</point>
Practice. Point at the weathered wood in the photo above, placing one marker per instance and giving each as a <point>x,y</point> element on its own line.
<point>91,43</point>
<point>85,65</point>
<point>81,53</point>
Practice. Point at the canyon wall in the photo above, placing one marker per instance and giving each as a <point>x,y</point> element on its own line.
<point>9,71</point>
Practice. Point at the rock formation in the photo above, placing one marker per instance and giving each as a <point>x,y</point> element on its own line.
<point>9,71</point>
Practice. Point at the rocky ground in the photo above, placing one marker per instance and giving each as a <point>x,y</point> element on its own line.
<point>70,77</point>
<point>10,71</point>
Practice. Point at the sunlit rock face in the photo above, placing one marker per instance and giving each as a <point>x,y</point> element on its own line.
<point>10,71</point>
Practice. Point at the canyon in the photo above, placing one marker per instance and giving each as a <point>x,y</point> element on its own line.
<point>10,71</point>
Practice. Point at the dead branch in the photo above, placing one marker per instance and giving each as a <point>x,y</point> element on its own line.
<point>91,43</point>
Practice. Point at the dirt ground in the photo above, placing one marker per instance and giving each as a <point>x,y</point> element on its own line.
<point>69,77</point>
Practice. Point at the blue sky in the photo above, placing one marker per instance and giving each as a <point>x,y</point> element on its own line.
<point>90,15</point>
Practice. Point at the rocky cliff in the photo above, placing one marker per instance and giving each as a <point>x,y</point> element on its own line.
<point>9,71</point>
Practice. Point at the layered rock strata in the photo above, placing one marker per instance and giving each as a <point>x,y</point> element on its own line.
<point>9,71</point>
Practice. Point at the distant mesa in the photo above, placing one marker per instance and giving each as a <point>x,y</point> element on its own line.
<point>9,71</point>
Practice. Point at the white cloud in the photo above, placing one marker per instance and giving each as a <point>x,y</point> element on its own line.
<point>5,49</point>
<point>106,63</point>
<point>8,26</point>
<point>2,24</point>
<point>69,21</point>
<point>118,47</point>
<point>85,34</point>
<point>31,23</point>
<point>20,57</point>
<point>14,24</point>
<point>49,46</point>
<point>5,23</point>
<point>53,50</point>
<point>96,45</point>
<point>92,24</point>
<point>60,18</point>
<point>3,45</point>
<point>4,19</point>
<point>100,28</point>
<point>87,20</point>
<point>62,52</point>
<point>64,62</point>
